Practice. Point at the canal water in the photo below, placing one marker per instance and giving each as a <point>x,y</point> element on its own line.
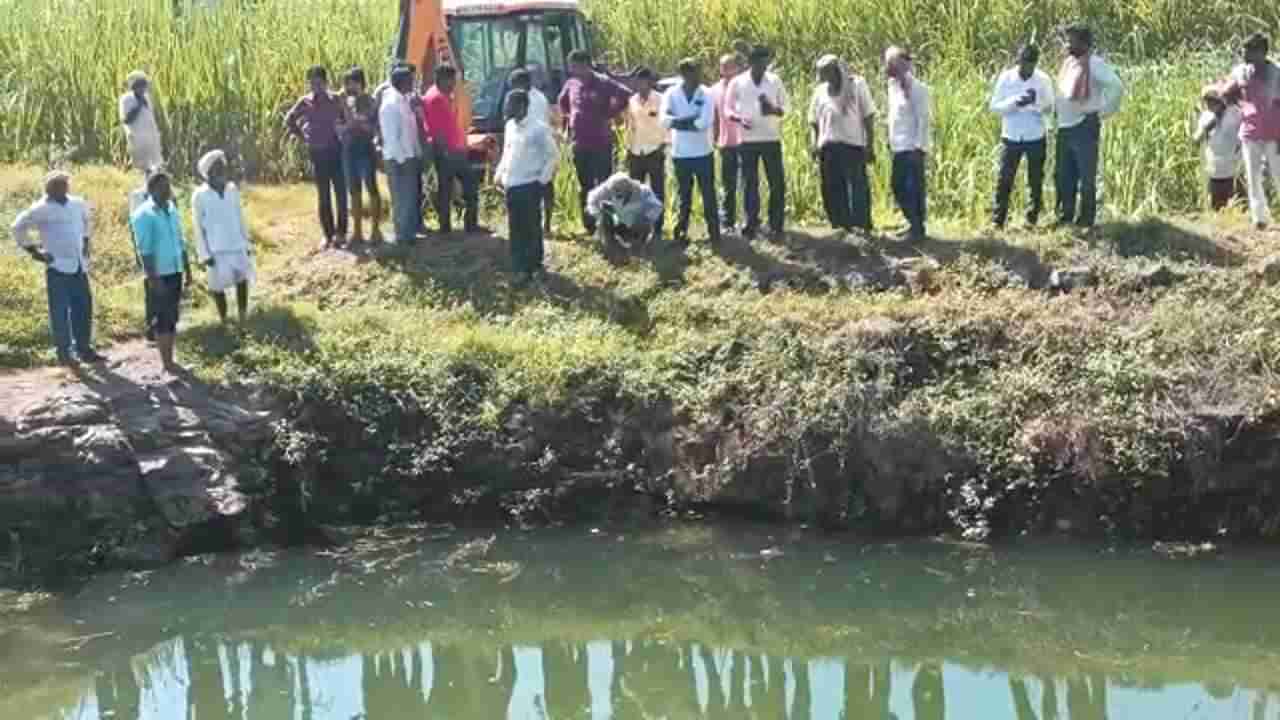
<point>687,621</point>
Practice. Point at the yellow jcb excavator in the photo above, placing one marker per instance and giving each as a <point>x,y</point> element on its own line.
<point>487,40</point>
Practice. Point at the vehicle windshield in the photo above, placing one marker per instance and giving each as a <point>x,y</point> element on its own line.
<point>490,48</point>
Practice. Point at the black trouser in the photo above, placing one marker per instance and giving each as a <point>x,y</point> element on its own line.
<point>652,170</point>
<point>330,181</point>
<point>1077,171</point>
<point>702,169</point>
<point>524,226</point>
<point>593,167</point>
<point>846,191</point>
<point>166,291</point>
<point>771,154</point>
<point>909,187</point>
<point>1011,153</point>
<point>450,166</point>
<point>730,169</point>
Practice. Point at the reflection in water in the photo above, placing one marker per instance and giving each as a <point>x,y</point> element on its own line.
<point>201,678</point>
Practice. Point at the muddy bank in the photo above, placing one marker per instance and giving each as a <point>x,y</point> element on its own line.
<point>116,467</point>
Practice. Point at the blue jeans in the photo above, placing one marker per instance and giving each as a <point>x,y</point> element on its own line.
<point>358,165</point>
<point>910,189</point>
<point>70,312</point>
<point>404,179</point>
<point>1077,172</point>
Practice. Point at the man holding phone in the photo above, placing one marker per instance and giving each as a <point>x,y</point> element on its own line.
<point>1022,96</point>
<point>757,102</point>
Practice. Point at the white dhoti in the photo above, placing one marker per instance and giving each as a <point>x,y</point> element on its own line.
<point>230,269</point>
<point>145,154</point>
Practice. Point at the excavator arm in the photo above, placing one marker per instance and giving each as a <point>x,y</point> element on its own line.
<point>423,40</point>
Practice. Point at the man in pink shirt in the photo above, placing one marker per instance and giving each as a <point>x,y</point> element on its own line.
<point>727,136</point>
<point>1258,82</point>
<point>449,142</point>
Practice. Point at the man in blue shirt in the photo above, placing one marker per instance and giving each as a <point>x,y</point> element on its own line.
<point>157,231</point>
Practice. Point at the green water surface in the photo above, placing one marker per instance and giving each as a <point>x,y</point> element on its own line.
<point>687,621</point>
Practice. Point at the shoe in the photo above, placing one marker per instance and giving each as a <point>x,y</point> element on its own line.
<point>749,233</point>
<point>92,357</point>
<point>67,361</point>
<point>326,244</point>
<point>1260,227</point>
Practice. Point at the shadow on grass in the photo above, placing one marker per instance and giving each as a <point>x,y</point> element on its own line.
<point>1158,239</point>
<point>276,325</point>
<point>476,269</point>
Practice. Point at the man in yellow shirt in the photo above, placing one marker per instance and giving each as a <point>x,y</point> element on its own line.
<point>647,140</point>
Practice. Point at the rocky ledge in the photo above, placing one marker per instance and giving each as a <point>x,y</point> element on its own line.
<point>117,464</point>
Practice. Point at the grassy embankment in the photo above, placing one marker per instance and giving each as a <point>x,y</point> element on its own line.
<point>1022,386</point>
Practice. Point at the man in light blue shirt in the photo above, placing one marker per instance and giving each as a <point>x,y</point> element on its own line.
<point>157,231</point>
<point>687,110</point>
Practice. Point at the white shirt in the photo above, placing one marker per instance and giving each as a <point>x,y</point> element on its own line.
<point>1105,95</point>
<point>539,107</point>
<point>143,130</point>
<point>645,130</point>
<point>1222,143</point>
<point>63,229</point>
<point>744,104</point>
<point>1022,124</point>
<point>218,221</point>
<point>399,126</point>
<point>910,125</point>
<point>634,202</point>
<point>834,124</point>
<point>529,154</point>
<point>677,105</point>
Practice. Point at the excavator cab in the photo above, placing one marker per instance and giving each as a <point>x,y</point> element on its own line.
<point>487,40</point>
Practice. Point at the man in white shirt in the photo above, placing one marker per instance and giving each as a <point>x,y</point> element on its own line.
<point>757,102</point>
<point>910,139</point>
<point>539,110</point>
<point>646,136</point>
<point>1088,91</point>
<point>222,238</point>
<point>61,221</point>
<point>528,164</point>
<point>842,117</point>
<point>402,153</point>
<point>1022,96</point>
<point>137,114</point>
<point>728,139</point>
<point>1218,131</point>
<point>687,111</point>
<point>624,209</point>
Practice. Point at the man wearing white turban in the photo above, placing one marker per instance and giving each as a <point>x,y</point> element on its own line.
<point>222,238</point>
<point>137,114</point>
<point>62,223</point>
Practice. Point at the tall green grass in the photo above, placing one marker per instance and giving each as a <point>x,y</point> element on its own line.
<point>223,75</point>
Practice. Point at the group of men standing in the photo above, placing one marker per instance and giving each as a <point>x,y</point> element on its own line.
<point>62,225</point>
<point>739,117</point>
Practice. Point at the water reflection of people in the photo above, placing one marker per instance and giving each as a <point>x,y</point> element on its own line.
<point>1087,697</point>
<point>927,696</point>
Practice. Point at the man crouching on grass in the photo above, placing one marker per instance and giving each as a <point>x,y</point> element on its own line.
<point>626,210</point>
<point>158,233</point>
<point>222,240</point>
